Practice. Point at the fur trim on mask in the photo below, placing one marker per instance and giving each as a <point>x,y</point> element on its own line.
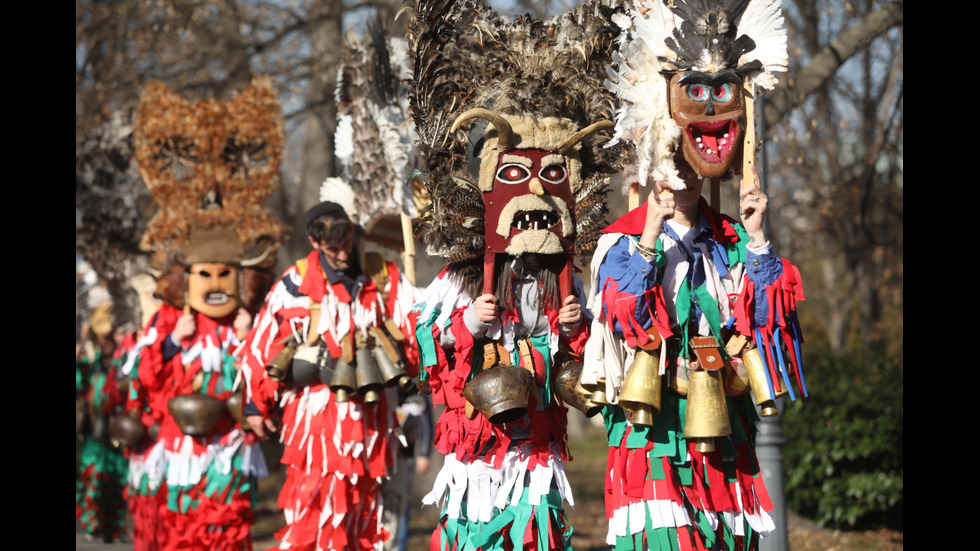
<point>546,133</point>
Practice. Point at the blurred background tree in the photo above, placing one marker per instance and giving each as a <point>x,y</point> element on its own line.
<point>836,173</point>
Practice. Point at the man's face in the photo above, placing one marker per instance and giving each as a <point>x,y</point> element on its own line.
<point>212,289</point>
<point>339,255</point>
<point>710,112</point>
<point>529,209</point>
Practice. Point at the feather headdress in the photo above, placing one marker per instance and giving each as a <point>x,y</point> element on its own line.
<point>664,37</point>
<point>211,167</point>
<point>210,164</point>
<point>526,71</point>
<point>374,136</point>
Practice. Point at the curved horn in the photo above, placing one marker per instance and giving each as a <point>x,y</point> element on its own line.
<point>505,134</point>
<point>249,262</point>
<point>578,136</point>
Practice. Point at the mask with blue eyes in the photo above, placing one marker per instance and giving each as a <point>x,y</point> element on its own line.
<point>711,114</point>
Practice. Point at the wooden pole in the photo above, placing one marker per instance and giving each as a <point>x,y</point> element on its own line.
<point>409,238</point>
<point>748,145</point>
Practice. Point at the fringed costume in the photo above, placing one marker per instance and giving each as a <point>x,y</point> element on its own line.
<point>503,485</point>
<point>336,452</point>
<point>100,507</point>
<point>687,326</point>
<point>209,478</point>
<point>210,165</point>
<point>511,116</point>
<point>661,493</point>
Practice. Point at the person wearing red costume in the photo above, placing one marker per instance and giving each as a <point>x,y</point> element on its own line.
<point>339,439</point>
<point>693,309</point>
<point>99,505</point>
<point>212,463</point>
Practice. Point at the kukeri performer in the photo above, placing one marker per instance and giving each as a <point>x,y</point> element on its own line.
<point>517,179</point>
<point>210,165</point>
<point>691,305</point>
<point>334,336</point>
<point>321,350</point>
<point>99,504</point>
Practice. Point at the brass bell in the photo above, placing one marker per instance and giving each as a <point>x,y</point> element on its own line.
<point>642,388</point>
<point>370,385</point>
<point>500,393</point>
<point>757,382</point>
<point>570,390</point>
<point>598,391</point>
<point>235,407</point>
<point>342,381</point>
<point>392,373</point>
<point>125,431</point>
<point>196,413</point>
<point>706,415</point>
<point>278,368</point>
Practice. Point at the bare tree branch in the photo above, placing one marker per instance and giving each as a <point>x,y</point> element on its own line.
<point>787,97</point>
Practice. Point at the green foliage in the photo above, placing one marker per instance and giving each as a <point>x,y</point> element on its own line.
<point>844,450</point>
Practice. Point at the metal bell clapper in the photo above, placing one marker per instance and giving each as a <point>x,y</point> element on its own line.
<point>706,416</point>
<point>642,388</point>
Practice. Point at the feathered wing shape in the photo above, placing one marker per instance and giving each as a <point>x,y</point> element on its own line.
<point>763,22</point>
<point>643,117</point>
<point>373,141</point>
<point>468,56</point>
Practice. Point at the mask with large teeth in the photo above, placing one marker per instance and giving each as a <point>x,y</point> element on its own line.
<point>711,114</point>
<point>529,209</point>
<point>212,289</point>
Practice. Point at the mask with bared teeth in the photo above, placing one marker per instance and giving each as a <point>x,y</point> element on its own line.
<point>711,115</point>
<point>529,173</point>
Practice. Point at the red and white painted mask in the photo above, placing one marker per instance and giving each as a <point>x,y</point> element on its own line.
<point>530,207</point>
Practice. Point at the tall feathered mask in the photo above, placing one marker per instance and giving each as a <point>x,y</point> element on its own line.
<point>511,115</point>
<point>373,143</point>
<point>682,71</point>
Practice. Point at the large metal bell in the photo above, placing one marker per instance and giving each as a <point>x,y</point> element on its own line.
<point>706,416</point>
<point>500,393</point>
<point>642,388</point>
<point>570,390</point>
<point>370,385</point>
<point>598,391</point>
<point>278,368</point>
<point>125,431</point>
<point>342,383</point>
<point>196,413</point>
<point>236,409</point>
<point>757,382</point>
<point>393,374</point>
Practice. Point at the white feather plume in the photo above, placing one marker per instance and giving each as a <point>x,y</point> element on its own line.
<point>644,118</point>
<point>340,192</point>
<point>763,22</point>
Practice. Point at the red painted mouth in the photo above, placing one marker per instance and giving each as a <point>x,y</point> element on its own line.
<point>714,141</point>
